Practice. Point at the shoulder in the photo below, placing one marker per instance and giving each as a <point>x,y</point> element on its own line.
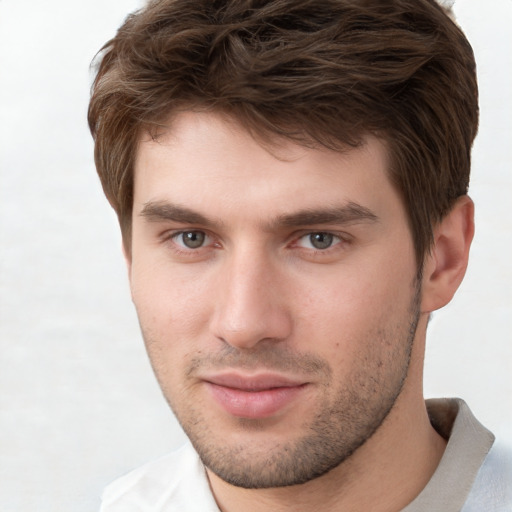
<point>492,489</point>
<point>175,482</point>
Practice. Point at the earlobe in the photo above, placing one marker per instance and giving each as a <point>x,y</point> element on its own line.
<point>446,264</point>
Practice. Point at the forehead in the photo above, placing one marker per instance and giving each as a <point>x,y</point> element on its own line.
<point>209,161</point>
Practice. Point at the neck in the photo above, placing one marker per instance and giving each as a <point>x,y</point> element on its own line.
<point>383,475</point>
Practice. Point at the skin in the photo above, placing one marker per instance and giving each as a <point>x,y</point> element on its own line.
<point>231,272</point>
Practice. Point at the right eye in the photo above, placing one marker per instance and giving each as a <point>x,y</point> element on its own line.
<point>191,239</point>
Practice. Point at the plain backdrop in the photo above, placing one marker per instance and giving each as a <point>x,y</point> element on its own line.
<point>79,405</point>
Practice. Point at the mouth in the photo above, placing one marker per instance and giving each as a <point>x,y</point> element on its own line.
<point>253,396</point>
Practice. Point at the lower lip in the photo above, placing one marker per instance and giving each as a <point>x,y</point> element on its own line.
<point>254,404</point>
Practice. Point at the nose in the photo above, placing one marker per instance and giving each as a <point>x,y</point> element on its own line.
<point>251,304</point>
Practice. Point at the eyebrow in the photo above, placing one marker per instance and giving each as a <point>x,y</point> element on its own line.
<point>158,211</point>
<point>346,214</point>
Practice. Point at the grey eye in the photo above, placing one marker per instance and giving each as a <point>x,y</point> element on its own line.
<point>192,239</point>
<point>321,240</point>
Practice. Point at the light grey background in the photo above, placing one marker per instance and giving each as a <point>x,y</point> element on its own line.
<point>78,403</point>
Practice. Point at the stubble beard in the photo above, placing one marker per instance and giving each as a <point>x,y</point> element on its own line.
<point>340,426</point>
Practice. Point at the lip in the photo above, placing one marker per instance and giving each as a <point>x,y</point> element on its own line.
<point>253,396</point>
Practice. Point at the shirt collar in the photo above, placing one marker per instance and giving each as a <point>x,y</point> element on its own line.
<point>468,444</point>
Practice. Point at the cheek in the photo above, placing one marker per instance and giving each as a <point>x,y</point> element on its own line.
<point>346,312</point>
<point>172,322</point>
<point>173,307</point>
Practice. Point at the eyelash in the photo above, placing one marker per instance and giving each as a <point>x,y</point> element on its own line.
<point>310,234</point>
<point>340,241</point>
<point>172,238</point>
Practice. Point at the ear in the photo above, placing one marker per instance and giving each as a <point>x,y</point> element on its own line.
<point>447,261</point>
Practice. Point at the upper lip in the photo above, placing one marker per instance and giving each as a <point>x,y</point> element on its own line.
<point>257,382</point>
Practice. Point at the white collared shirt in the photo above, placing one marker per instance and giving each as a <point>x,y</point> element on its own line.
<point>471,476</point>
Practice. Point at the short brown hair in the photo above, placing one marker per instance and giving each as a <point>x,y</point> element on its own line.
<point>324,72</point>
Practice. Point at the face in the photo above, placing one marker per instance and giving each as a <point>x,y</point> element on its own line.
<point>276,294</point>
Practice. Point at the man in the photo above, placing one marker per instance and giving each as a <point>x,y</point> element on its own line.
<point>291,181</point>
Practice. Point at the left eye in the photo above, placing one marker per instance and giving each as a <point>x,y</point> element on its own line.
<point>191,239</point>
<point>318,241</point>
